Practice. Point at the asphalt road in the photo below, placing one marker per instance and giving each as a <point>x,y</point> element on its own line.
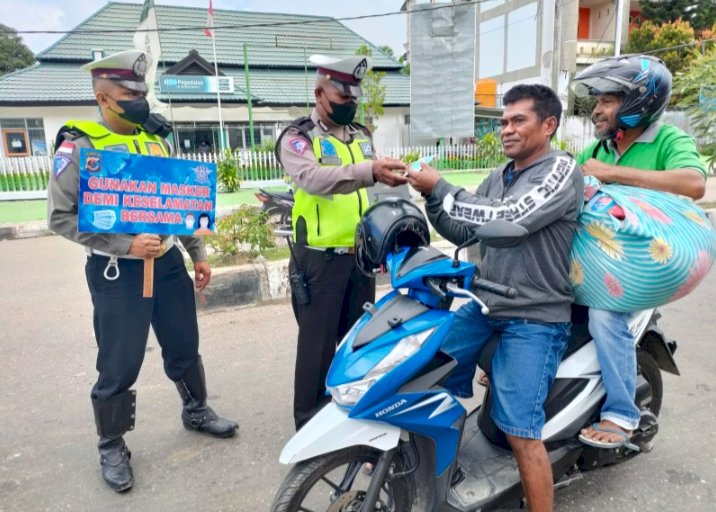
<point>48,458</point>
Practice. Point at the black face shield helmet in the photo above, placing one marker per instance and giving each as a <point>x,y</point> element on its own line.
<point>643,82</point>
<point>386,226</point>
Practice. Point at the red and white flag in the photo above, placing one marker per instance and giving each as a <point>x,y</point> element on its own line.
<point>209,30</point>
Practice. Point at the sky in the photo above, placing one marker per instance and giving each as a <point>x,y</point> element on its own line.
<point>66,14</point>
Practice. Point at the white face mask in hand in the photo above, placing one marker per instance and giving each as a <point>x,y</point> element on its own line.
<point>104,219</point>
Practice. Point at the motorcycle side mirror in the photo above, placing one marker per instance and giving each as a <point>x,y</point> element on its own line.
<point>497,233</point>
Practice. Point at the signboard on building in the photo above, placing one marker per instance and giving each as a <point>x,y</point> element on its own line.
<point>189,84</point>
<point>128,193</point>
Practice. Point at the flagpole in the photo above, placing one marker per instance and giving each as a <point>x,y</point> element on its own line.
<point>175,136</point>
<point>248,98</point>
<point>218,91</point>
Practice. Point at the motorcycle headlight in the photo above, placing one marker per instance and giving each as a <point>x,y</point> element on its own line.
<point>351,392</point>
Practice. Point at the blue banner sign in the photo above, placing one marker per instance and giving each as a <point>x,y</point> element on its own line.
<point>189,84</point>
<point>129,193</point>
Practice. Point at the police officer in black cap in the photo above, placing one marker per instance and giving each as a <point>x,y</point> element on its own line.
<point>115,272</point>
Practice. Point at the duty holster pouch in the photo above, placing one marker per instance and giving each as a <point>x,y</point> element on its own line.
<point>115,416</point>
<point>157,124</point>
<point>297,280</point>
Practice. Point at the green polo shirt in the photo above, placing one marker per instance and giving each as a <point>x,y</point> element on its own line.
<point>660,147</point>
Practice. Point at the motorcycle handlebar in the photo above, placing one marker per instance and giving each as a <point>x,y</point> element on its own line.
<point>499,289</point>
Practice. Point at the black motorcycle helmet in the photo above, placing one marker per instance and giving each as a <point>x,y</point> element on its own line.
<point>644,83</point>
<point>387,225</point>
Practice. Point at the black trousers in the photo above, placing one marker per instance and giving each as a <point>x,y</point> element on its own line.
<point>122,318</point>
<point>338,291</point>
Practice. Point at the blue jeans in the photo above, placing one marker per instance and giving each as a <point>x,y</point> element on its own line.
<point>523,368</point>
<point>617,357</point>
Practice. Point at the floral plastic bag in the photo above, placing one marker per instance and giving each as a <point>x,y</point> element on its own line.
<point>637,248</point>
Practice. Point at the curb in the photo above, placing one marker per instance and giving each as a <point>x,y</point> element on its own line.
<point>249,285</point>
<point>26,230</point>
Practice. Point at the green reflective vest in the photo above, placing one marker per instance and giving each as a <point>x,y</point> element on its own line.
<point>331,220</point>
<point>102,138</point>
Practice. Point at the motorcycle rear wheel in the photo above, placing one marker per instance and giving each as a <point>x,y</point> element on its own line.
<point>279,218</point>
<point>648,368</point>
<point>313,484</point>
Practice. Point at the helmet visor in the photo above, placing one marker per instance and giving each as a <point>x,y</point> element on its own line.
<point>596,85</point>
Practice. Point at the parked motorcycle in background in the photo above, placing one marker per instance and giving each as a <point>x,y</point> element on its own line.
<point>278,207</point>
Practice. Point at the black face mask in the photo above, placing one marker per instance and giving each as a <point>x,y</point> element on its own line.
<point>343,113</point>
<point>135,111</point>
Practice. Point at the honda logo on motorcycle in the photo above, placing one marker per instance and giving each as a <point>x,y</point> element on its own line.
<point>391,408</point>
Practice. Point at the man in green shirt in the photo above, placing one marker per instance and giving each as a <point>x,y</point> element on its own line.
<point>632,93</point>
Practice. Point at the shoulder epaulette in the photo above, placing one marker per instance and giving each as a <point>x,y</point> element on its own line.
<point>71,132</point>
<point>363,127</point>
<point>304,125</point>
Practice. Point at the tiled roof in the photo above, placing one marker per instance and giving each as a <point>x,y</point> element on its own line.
<point>273,39</point>
<point>277,55</point>
<point>65,83</point>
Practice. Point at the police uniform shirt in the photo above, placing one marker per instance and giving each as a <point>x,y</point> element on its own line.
<point>62,206</point>
<point>300,162</point>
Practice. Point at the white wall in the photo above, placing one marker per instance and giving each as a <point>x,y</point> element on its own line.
<point>390,132</point>
<point>602,21</point>
<point>576,128</point>
<point>52,117</point>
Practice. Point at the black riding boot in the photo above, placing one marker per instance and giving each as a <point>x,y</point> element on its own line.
<point>196,415</point>
<point>114,417</point>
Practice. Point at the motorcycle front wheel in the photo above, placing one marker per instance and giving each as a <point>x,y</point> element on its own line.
<point>336,482</point>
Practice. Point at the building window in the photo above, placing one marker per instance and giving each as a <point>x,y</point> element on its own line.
<point>22,137</point>
<point>204,137</point>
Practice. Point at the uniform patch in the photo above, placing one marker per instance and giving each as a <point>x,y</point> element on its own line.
<point>366,149</point>
<point>331,160</point>
<point>154,149</point>
<point>60,163</point>
<point>120,148</point>
<point>327,148</point>
<point>66,147</point>
<point>92,162</point>
<point>299,145</point>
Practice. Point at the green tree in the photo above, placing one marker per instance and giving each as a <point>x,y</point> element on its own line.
<point>386,50</point>
<point>697,95</point>
<point>701,14</point>
<point>13,52</point>
<point>371,104</point>
<point>650,37</point>
<point>403,59</point>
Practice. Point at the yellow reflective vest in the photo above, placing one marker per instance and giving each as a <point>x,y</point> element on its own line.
<point>102,138</point>
<point>331,220</point>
